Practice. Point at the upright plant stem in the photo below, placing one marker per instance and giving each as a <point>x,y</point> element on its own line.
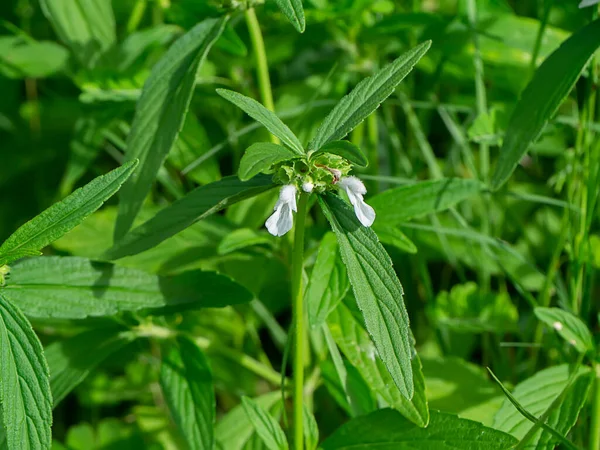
<point>594,443</point>
<point>298,310</point>
<point>262,66</point>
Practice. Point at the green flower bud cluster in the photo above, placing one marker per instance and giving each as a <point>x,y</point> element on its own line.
<point>322,172</point>
<point>4,271</point>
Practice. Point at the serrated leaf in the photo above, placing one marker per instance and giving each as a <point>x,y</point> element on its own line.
<point>260,157</point>
<point>63,216</point>
<point>549,86</point>
<point>366,98</point>
<point>160,114</point>
<point>268,118</point>
<point>346,150</point>
<point>25,396</point>
<point>414,200</point>
<point>570,327</point>
<point>186,382</point>
<point>195,206</point>
<point>386,429</point>
<point>294,11</point>
<point>265,425</point>
<point>75,288</point>
<point>377,290</point>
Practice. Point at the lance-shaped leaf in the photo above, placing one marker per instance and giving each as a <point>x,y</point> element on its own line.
<point>265,425</point>
<point>160,114</point>
<point>346,150</point>
<point>377,290</point>
<point>550,85</point>
<point>570,327</point>
<point>260,157</point>
<point>366,98</point>
<point>25,397</point>
<point>195,206</point>
<point>63,216</point>
<point>268,118</point>
<point>75,288</point>
<point>294,11</point>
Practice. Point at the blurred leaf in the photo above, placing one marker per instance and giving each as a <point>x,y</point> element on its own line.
<point>311,429</point>
<point>568,326</point>
<point>231,42</point>
<point>483,129</point>
<point>160,114</point>
<point>61,217</point>
<point>241,239</point>
<point>265,425</point>
<point>26,401</point>
<point>260,157</point>
<point>294,11</point>
<point>23,58</point>
<point>391,235</point>
<point>346,150</point>
<point>136,44</point>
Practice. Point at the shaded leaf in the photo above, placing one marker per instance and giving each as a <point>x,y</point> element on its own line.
<point>346,150</point>
<point>265,425</point>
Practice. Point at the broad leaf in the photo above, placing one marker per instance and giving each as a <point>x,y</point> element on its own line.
<point>570,327</point>
<point>551,83</point>
<point>24,57</point>
<point>63,216</point>
<point>346,150</point>
<point>386,429</point>
<point>377,290</point>
<point>265,425</point>
<point>392,235</point>
<point>186,382</point>
<point>366,98</point>
<point>268,118</point>
<point>241,239</point>
<point>294,11</point>
<point>260,157</point>
<point>160,114</point>
<point>406,202</point>
<point>195,206</point>
<point>75,288</point>
<point>25,397</point>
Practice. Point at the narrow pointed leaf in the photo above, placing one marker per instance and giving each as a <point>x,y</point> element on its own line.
<point>25,397</point>
<point>377,290</point>
<point>551,83</point>
<point>366,98</point>
<point>294,11</point>
<point>265,425</point>
<point>195,206</point>
<point>260,157</point>
<point>311,429</point>
<point>346,150</point>
<point>160,114</point>
<point>63,216</point>
<point>268,118</point>
<point>570,327</point>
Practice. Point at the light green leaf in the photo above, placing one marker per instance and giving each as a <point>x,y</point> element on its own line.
<point>160,114</point>
<point>75,288</point>
<point>260,157</point>
<point>195,206</point>
<point>386,429</point>
<point>25,396</point>
<point>311,429</point>
<point>328,282</point>
<point>87,26</point>
<point>377,290</point>
<point>346,150</point>
<point>241,239</point>
<point>186,382</point>
<point>551,83</point>
<point>268,118</point>
<point>406,202</point>
<point>569,327</point>
<point>265,425</point>
<point>71,360</point>
<point>63,216</point>
<point>392,235</point>
<point>366,98</point>
<point>21,57</point>
<point>294,11</point>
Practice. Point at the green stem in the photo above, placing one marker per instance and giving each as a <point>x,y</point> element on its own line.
<point>538,40</point>
<point>262,65</point>
<point>594,443</point>
<point>298,309</point>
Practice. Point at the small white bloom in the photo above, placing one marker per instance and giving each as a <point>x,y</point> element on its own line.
<point>308,187</point>
<point>585,3</point>
<point>557,326</point>
<point>355,190</point>
<point>282,220</point>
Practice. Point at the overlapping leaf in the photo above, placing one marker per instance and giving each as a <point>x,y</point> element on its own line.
<point>265,425</point>
<point>260,157</point>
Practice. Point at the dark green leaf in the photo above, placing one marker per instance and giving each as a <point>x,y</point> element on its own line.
<point>346,150</point>
<point>265,425</point>
<point>569,327</point>
<point>294,11</point>
<point>260,157</point>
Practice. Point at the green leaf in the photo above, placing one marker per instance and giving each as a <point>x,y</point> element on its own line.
<point>311,429</point>
<point>195,206</point>
<point>294,11</point>
<point>241,239</point>
<point>186,382</point>
<point>328,282</point>
<point>366,98</point>
<point>87,26</point>
<point>71,360</point>
<point>346,150</point>
<point>268,118</point>
<point>543,95</point>
<point>63,216</point>
<point>160,114</point>
<point>392,235</point>
<point>377,290</point>
<point>386,429</point>
<point>75,288</point>
<point>570,327</point>
<point>21,57</point>
<point>265,425</point>
<point>25,396</point>
<point>260,157</point>
<point>414,200</point>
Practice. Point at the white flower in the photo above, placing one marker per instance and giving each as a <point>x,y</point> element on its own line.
<point>307,187</point>
<point>282,220</point>
<point>355,190</point>
<point>585,3</point>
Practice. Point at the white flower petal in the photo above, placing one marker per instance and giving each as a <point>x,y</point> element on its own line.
<point>586,3</point>
<point>355,190</point>
<point>282,220</point>
<point>308,187</point>
<point>288,195</point>
<point>353,184</point>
